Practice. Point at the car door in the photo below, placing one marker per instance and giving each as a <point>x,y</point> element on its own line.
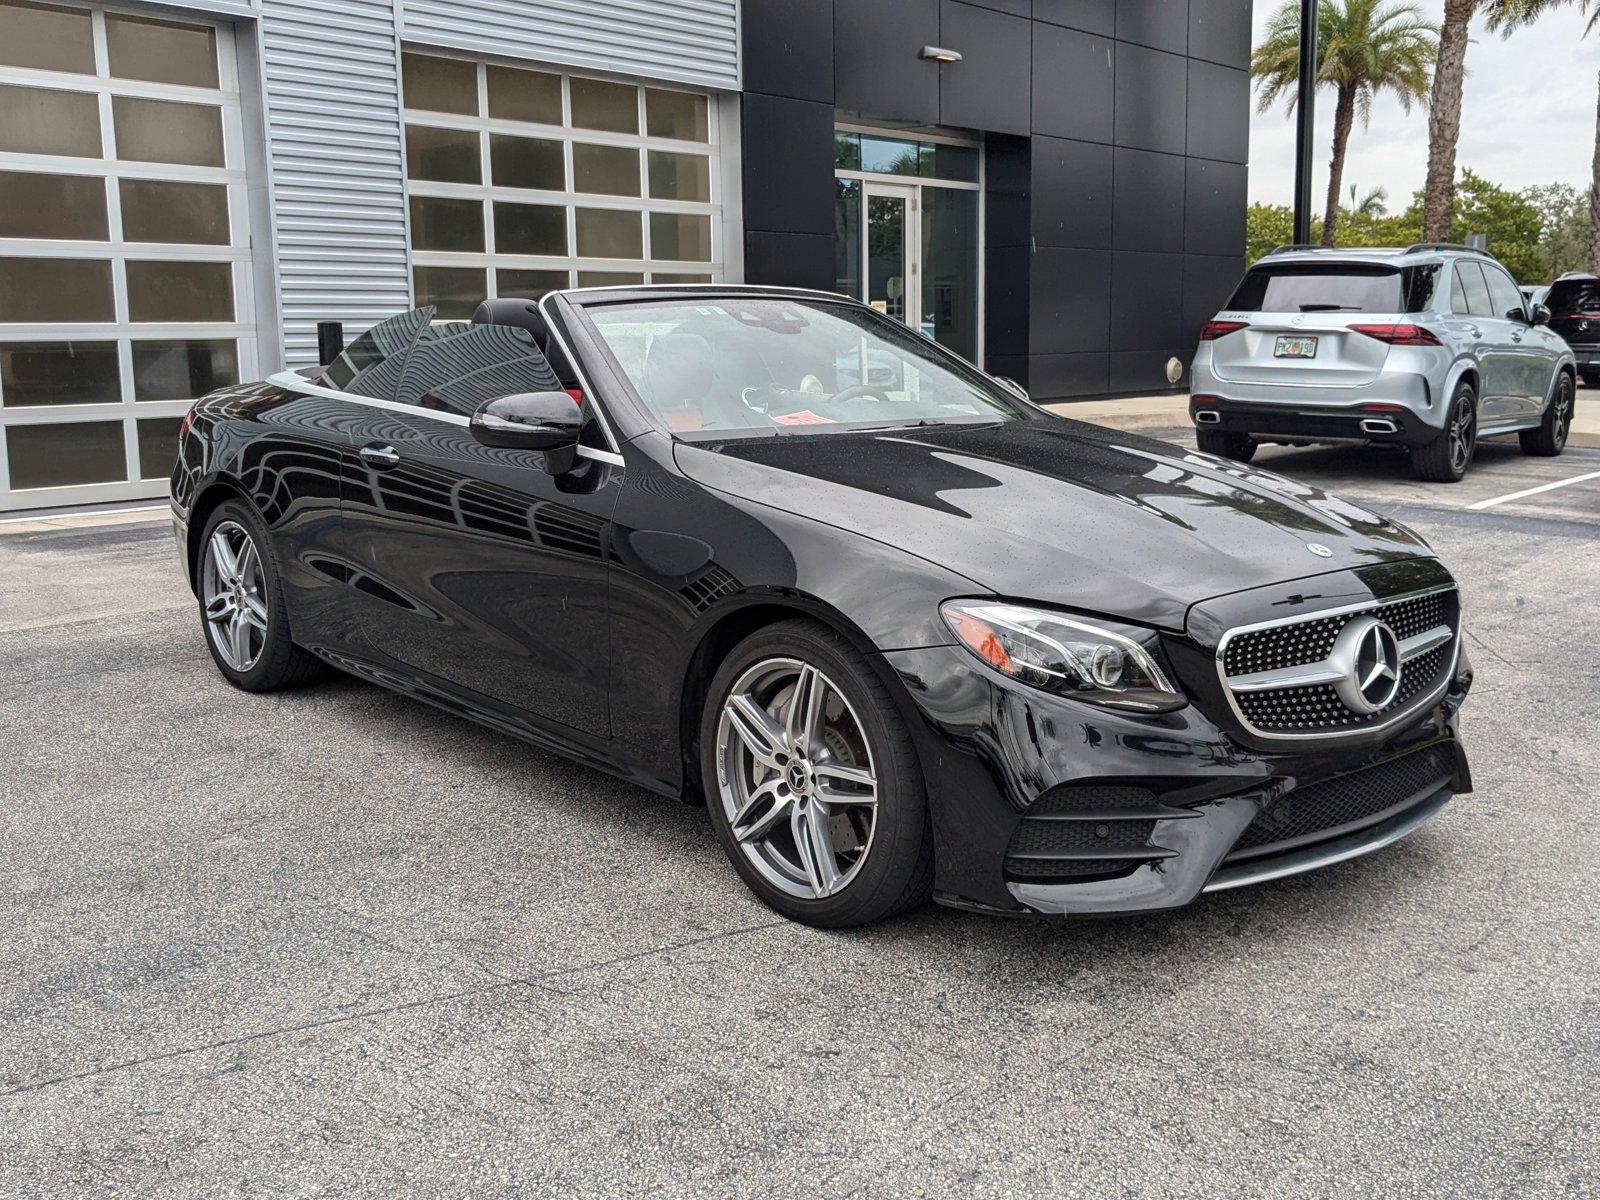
<point>1489,338</point>
<point>1534,357</point>
<point>480,571</point>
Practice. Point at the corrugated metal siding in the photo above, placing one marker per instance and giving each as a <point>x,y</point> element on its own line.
<point>691,41</point>
<point>331,73</point>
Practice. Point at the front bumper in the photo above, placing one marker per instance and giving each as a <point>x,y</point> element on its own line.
<point>1203,806</point>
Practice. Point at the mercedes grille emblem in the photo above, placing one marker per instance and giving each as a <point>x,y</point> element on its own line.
<point>1319,550</point>
<point>1367,655</point>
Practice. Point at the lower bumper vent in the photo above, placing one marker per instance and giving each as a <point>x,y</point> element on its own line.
<point>1075,832</point>
<point>1345,802</point>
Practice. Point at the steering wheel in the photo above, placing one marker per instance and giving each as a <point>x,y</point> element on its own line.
<point>856,391</point>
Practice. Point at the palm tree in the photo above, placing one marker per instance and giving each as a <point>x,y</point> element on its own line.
<point>1374,204</point>
<point>1444,120</point>
<point>1364,47</point>
<point>1506,15</point>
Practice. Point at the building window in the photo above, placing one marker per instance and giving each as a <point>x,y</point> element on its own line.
<point>907,231</point>
<point>523,181</point>
<point>124,246</point>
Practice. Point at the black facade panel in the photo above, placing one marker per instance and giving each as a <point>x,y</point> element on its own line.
<point>1006,296</point>
<point>1074,78</point>
<point>1219,30</point>
<point>876,70</point>
<point>790,259</point>
<point>1017,8</point>
<point>989,88</point>
<point>1059,376</point>
<point>1142,370</point>
<point>788,48</point>
<point>1092,16</point>
<point>1150,99</point>
<point>1146,301</point>
<point>1160,24</point>
<point>1214,207</point>
<point>1215,95</point>
<point>788,165</point>
<point>1072,184</point>
<point>1208,281</point>
<point>1010,366</point>
<point>1070,291</point>
<point>1148,208</point>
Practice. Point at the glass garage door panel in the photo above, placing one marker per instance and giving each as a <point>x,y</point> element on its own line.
<point>124,253</point>
<point>523,181</point>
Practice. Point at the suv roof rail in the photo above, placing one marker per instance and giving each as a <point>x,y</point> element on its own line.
<point>1419,247</point>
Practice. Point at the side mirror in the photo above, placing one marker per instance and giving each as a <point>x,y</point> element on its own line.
<point>1012,386</point>
<point>1540,315</point>
<point>548,422</point>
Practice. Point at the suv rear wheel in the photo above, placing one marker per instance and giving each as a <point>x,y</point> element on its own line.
<point>1551,437</point>
<point>1240,447</point>
<point>1446,458</point>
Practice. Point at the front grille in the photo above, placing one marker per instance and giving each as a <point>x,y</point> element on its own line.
<point>1290,710</point>
<point>1348,800</point>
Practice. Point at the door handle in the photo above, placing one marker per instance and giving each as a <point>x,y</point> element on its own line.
<point>380,456</point>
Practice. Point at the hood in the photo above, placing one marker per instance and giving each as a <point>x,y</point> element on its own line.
<point>1059,511</point>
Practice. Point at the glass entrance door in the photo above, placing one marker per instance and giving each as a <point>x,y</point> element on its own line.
<point>892,251</point>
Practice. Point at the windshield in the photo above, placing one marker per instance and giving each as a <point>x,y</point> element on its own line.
<point>1330,287</point>
<point>767,365</point>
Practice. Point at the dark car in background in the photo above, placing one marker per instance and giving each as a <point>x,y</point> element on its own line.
<point>1574,304</point>
<point>905,632</point>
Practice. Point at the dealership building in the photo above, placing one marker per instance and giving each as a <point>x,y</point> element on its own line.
<point>1053,188</point>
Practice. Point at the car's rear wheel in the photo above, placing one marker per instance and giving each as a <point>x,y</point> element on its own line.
<point>1551,437</point>
<point>1445,459</point>
<point>1240,447</point>
<point>241,605</point>
<point>812,781</point>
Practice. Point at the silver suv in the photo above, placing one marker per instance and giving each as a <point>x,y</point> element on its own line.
<point>1431,347</point>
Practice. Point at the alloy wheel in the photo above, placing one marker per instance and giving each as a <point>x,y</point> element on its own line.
<point>233,592</point>
<point>1563,414</point>
<point>795,778</point>
<point>1461,434</point>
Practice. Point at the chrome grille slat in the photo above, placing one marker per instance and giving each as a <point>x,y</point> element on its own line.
<point>1276,674</point>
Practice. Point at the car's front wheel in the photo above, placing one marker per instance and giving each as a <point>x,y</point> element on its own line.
<point>1445,459</point>
<point>1551,437</point>
<point>812,781</point>
<point>1240,447</point>
<point>241,605</point>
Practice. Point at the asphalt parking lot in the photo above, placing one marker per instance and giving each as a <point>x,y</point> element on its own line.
<point>334,943</point>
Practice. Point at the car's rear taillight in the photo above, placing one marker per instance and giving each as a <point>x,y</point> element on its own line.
<point>575,393</point>
<point>183,425</point>
<point>1215,329</point>
<point>1398,335</point>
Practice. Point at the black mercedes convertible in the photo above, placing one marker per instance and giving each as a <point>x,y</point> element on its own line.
<point>906,633</point>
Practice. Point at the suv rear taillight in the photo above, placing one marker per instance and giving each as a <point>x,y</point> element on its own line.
<point>1215,329</point>
<point>183,425</point>
<point>1398,335</point>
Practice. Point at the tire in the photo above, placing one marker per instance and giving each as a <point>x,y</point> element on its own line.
<point>881,855</point>
<point>1550,438</point>
<point>1447,457</point>
<point>1590,375</point>
<point>247,603</point>
<point>1240,447</point>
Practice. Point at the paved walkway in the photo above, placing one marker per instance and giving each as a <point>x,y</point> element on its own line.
<point>1171,411</point>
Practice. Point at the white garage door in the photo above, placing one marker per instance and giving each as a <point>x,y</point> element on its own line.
<point>124,246</point>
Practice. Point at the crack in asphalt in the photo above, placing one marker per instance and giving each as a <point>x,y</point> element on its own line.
<point>534,980</point>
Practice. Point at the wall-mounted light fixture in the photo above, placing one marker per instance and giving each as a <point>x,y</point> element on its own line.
<point>940,54</point>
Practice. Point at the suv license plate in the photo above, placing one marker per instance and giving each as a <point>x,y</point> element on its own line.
<point>1296,347</point>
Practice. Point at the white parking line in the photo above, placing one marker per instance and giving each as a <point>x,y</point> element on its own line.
<point>49,515</point>
<point>1534,491</point>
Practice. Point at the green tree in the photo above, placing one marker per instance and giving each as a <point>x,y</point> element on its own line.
<point>1364,48</point>
<point>1507,15</point>
<point>1564,231</point>
<point>1266,226</point>
<point>1510,222</point>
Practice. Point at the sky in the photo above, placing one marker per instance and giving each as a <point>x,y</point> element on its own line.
<point>1528,117</point>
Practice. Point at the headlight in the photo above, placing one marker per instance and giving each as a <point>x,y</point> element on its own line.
<point>1103,664</point>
